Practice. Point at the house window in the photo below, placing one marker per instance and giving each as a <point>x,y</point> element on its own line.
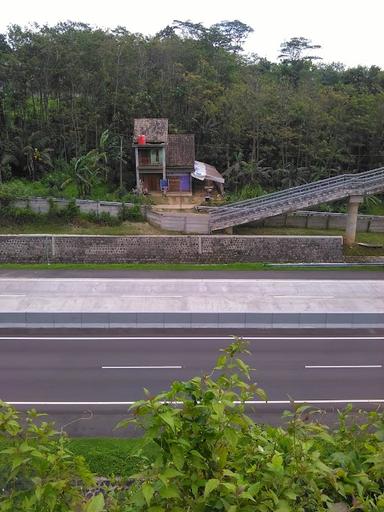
<point>153,156</point>
<point>156,156</point>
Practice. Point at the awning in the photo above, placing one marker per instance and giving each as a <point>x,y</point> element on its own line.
<point>205,171</point>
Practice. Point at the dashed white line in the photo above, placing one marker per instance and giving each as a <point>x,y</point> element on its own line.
<point>344,366</point>
<point>12,295</point>
<point>298,296</point>
<point>152,296</point>
<point>141,367</point>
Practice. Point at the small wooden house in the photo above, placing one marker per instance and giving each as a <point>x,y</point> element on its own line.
<point>164,162</point>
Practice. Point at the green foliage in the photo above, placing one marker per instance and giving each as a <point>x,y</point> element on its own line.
<point>9,214</point>
<point>132,213</point>
<point>63,86</point>
<point>18,216</point>
<point>18,188</point>
<point>246,192</point>
<point>103,218</point>
<point>38,473</point>
<point>62,215</point>
<point>201,452</point>
<point>110,457</point>
<point>212,456</point>
<point>294,50</point>
<point>373,205</point>
<point>88,168</point>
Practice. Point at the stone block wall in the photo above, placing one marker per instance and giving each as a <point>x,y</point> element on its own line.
<point>168,249</point>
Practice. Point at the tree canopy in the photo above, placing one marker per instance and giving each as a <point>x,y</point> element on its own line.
<point>63,86</point>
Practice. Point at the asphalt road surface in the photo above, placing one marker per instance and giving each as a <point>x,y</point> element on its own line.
<point>339,275</point>
<point>86,381</point>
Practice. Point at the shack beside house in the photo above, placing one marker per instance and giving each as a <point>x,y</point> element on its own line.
<point>165,163</point>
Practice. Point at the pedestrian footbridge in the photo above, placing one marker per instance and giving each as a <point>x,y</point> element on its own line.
<point>354,186</point>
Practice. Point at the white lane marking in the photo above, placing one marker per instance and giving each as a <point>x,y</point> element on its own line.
<point>141,367</point>
<point>344,366</point>
<point>248,402</point>
<point>181,338</point>
<point>12,295</point>
<point>299,296</point>
<point>152,296</point>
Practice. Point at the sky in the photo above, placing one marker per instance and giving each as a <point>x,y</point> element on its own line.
<point>349,31</point>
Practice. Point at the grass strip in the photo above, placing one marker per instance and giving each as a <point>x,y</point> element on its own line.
<point>133,266</point>
<point>184,266</point>
<point>111,456</point>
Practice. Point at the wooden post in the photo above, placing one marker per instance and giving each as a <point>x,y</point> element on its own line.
<point>121,162</point>
<point>164,165</point>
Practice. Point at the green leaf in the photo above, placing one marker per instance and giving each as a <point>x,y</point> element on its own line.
<point>243,367</point>
<point>261,394</point>
<point>96,504</point>
<point>171,473</point>
<point>283,506</point>
<point>230,486</point>
<point>291,495</point>
<point>277,461</point>
<point>169,492</point>
<point>210,486</point>
<point>231,436</point>
<point>177,456</point>
<point>247,496</point>
<point>221,361</point>
<point>147,491</point>
<point>254,488</point>
<point>168,419</point>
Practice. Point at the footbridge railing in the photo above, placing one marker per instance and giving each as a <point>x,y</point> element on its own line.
<point>296,198</point>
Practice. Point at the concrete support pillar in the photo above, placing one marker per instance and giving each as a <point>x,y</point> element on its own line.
<point>351,223</point>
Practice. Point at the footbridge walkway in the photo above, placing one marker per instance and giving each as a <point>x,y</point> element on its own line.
<point>354,186</point>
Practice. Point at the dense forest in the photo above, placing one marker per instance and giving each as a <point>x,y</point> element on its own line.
<point>260,122</point>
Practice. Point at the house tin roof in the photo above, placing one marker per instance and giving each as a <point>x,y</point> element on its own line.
<point>155,130</point>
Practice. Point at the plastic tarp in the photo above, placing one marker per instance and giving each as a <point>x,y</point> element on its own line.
<point>203,171</point>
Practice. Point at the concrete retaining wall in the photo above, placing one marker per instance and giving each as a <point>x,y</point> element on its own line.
<point>323,220</point>
<point>199,223</point>
<point>168,249</point>
<point>41,205</point>
<point>192,320</point>
<point>181,222</point>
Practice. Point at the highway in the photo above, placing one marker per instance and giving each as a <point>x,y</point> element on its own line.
<point>73,375</point>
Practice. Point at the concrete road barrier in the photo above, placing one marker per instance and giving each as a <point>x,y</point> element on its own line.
<point>191,320</point>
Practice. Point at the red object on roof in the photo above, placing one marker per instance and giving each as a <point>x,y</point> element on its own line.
<point>141,139</point>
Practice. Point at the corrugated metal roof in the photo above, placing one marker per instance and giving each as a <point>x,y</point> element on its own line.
<point>205,171</point>
<point>181,150</point>
<point>155,130</point>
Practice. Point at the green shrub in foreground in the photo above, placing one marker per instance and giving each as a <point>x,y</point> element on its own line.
<point>213,457</point>
<point>201,452</point>
<point>38,473</point>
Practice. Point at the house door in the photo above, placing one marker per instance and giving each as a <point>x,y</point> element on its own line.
<point>174,183</point>
<point>151,182</point>
<point>181,183</point>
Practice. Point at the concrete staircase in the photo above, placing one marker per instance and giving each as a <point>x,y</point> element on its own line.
<point>297,198</point>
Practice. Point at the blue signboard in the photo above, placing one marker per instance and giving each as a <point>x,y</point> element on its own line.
<point>163,184</point>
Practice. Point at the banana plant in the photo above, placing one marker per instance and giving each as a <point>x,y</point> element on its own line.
<point>88,168</point>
